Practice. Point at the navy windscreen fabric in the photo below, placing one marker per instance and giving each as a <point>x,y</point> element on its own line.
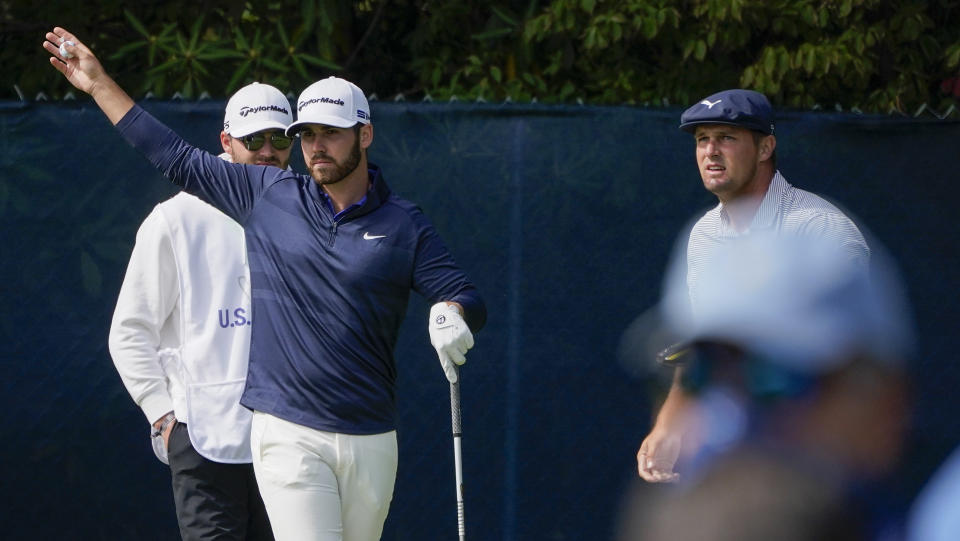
<point>564,217</point>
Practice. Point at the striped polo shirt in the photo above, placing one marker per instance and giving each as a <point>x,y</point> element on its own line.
<point>784,209</point>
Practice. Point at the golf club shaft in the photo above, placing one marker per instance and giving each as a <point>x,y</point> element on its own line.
<point>457,456</point>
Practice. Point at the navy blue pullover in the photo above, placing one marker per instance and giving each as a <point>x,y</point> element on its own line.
<point>329,293</point>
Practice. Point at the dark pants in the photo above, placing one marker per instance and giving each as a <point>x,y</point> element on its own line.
<point>214,500</point>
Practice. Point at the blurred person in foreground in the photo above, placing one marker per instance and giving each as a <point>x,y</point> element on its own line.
<point>180,336</point>
<point>799,393</point>
<point>735,143</point>
<point>333,258</point>
<point>935,514</point>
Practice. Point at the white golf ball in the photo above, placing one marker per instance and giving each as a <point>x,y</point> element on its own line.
<point>63,49</point>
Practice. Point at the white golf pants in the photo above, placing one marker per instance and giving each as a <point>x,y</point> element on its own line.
<point>323,486</point>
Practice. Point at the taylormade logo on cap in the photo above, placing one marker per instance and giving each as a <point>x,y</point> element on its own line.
<point>331,102</point>
<point>245,110</point>
<point>303,104</point>
<point>256,107</point>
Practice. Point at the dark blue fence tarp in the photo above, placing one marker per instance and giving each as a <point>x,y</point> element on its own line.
<point>563,216</point>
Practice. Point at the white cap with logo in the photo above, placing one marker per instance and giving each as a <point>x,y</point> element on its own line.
<point>331,102</point>
<point>256,107</point>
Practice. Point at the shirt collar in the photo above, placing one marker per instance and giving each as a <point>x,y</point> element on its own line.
<point>358,204</point>
<point>765,217</point>
<point>377,188</point>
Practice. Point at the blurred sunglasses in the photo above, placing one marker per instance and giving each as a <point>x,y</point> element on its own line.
<point>255,141</point>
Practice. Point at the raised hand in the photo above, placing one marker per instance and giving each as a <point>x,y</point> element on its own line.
<point>84,71</point>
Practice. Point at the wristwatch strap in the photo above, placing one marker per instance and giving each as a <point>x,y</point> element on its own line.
<point>164,422</point>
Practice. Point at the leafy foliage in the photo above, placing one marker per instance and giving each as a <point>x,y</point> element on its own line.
<point>876,55</point>
<point>872,54</point>
<point>149,49</point>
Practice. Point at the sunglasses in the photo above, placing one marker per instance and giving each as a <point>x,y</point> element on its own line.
<point>255,141</point>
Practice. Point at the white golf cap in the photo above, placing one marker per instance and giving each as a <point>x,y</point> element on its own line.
<point>331,102</point>
<point>799,300</point>
<point>256,107</point>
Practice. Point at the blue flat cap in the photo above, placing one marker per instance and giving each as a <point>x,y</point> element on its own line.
<point>737,107</point>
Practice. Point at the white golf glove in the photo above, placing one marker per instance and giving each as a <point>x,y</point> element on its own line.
<point>450,336</point>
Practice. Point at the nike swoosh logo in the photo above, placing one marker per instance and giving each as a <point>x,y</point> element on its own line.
<point>710,105</point>
<point>368,236</point>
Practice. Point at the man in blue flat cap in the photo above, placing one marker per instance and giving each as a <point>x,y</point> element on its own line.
<point>736,146</point>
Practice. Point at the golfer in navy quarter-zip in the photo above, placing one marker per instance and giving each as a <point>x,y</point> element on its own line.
<point>332,257</point>
<point>329,294</point>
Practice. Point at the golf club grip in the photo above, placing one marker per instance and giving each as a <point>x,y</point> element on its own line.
<point>457,455</point>
<point>455,408</point>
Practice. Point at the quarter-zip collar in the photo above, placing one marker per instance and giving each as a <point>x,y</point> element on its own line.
<point>376,195</point>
